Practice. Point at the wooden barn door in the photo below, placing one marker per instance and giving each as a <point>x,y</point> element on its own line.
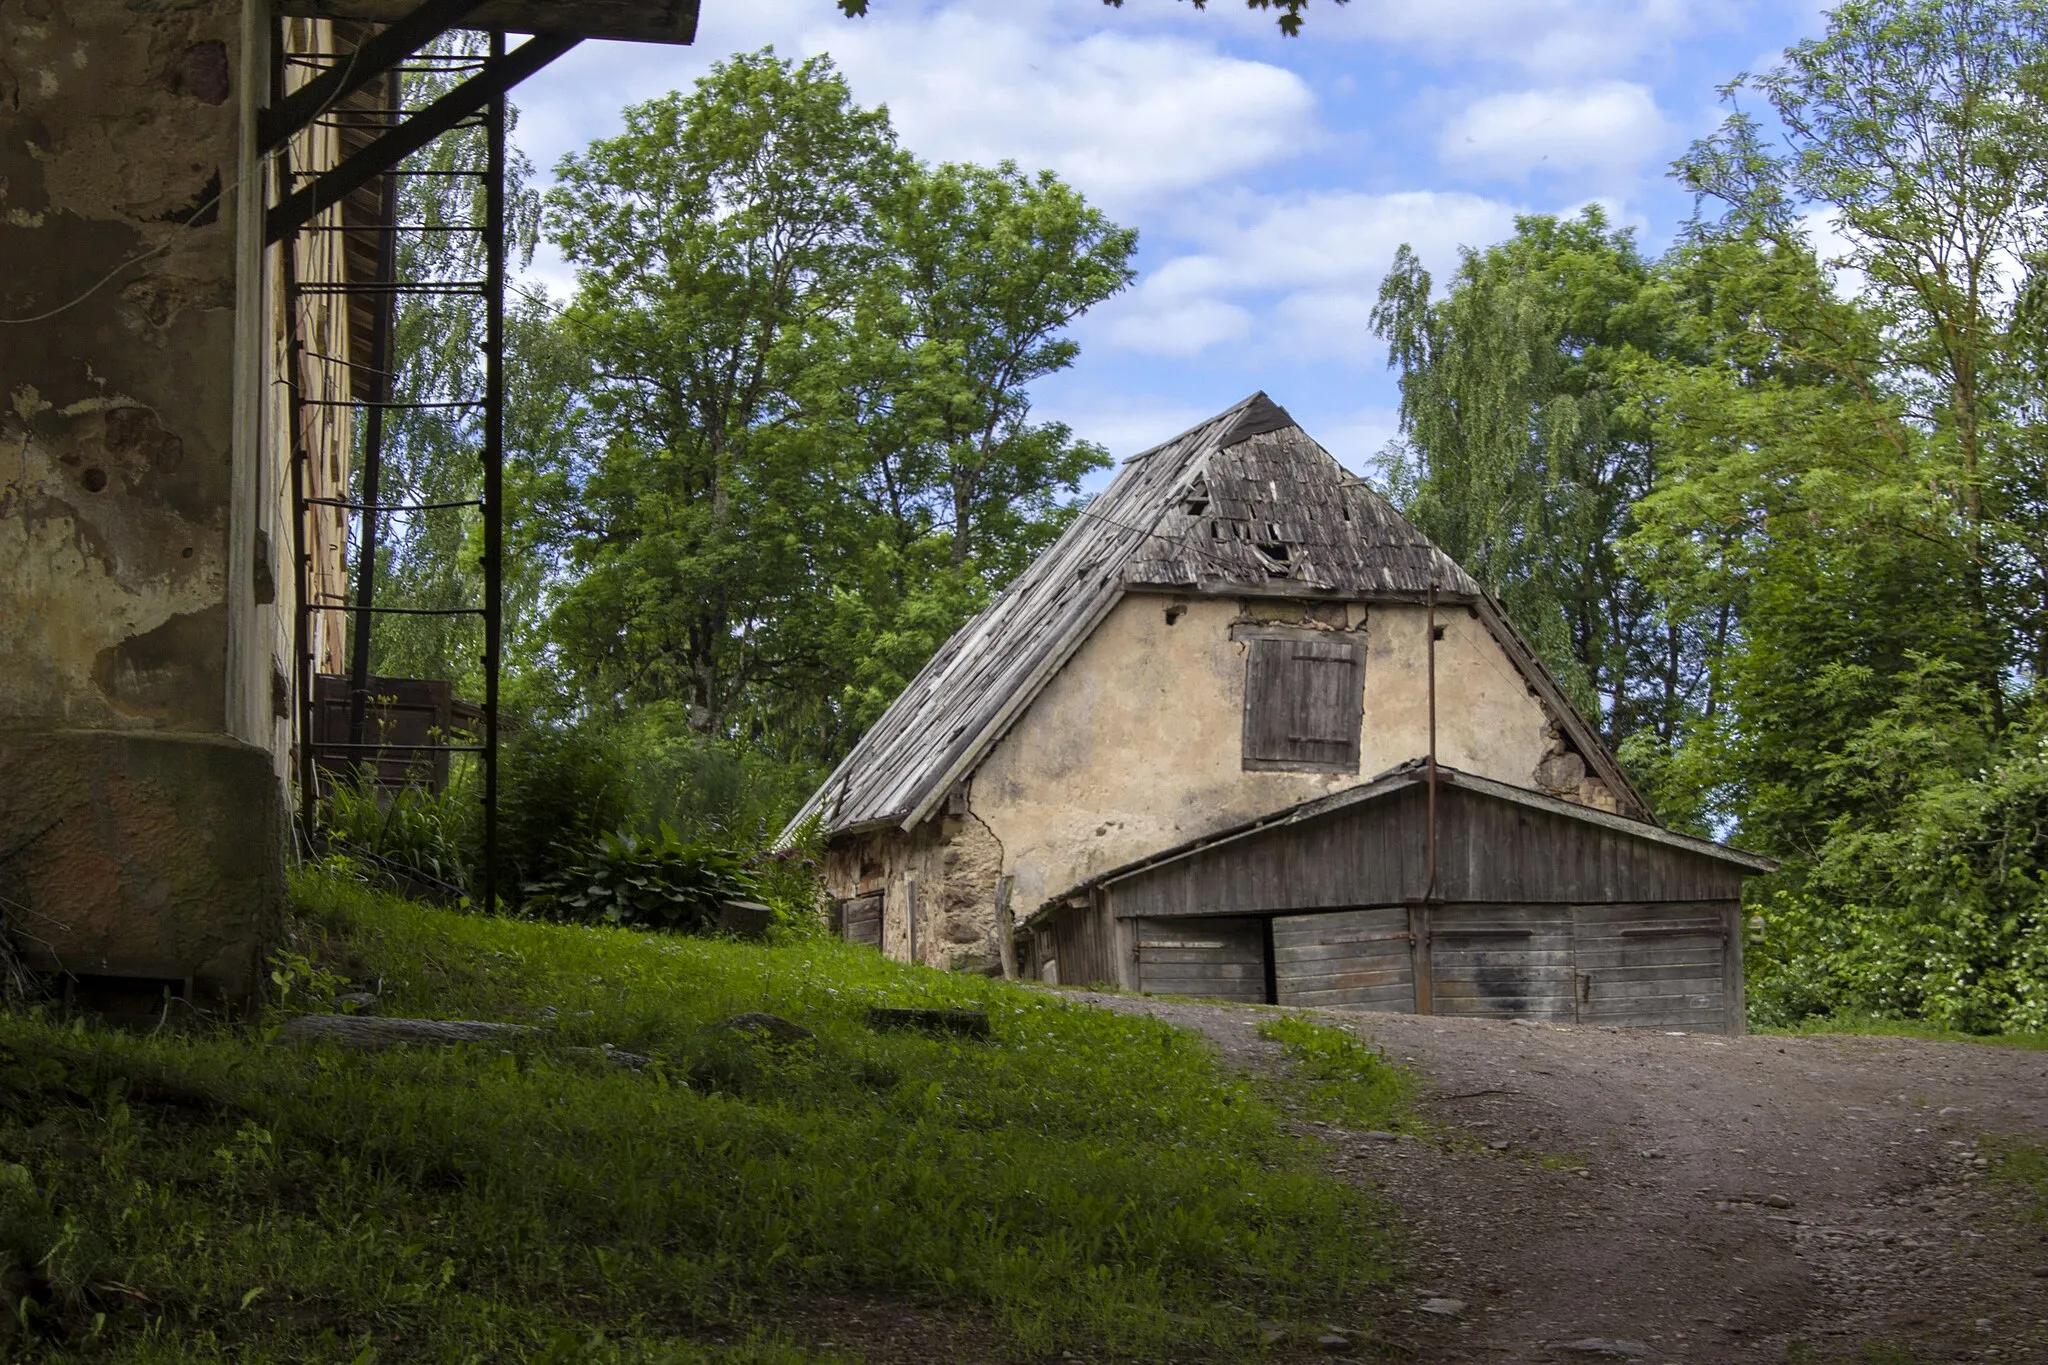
<point>1655,966</point>
<point>1503,962</point>
<point>1221,958</point>
<point>1347,959</point>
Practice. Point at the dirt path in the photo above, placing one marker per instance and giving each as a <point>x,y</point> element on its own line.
<point>1734,1199</point>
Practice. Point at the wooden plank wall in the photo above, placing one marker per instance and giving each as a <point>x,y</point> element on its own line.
<point>1375,853</point>
<point>1348,959</point>
<point>1217,959</point>
<point>1083,941</point>
<point>1502,961</point>
<point>1654,966</point>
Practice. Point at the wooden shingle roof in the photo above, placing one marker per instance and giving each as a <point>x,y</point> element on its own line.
<point>1245,502</point>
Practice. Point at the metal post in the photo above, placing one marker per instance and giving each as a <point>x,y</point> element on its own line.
<point>381,351</point>
<point>494,466</point>
<point>1431,893</point>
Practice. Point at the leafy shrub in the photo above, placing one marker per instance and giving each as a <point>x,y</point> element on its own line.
<point>560,787</point>
<point>658,881</point>
<point>1931,902</point>
<point>433,835</point>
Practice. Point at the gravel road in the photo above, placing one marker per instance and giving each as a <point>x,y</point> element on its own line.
<point>1593,1193</point>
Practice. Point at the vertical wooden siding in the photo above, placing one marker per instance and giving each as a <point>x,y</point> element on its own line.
<point>1375,853</point>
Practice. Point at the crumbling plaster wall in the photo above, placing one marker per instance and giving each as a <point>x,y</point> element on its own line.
<point>141,554</point>
<point>1136,745</point>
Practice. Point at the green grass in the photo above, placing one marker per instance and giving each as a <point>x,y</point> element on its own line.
<point>1337,1078</point>
<point>1902,1028</point>
<point>2023,1165</point>
<point>1082,1181</point>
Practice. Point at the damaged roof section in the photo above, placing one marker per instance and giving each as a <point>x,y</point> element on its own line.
<point>1245,503</point>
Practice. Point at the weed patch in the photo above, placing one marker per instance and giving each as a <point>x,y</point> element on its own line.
<point>1079,1181</point>
<point>1902,1028</point>
<point>2023,1166</point>
<point>1337,1078</point>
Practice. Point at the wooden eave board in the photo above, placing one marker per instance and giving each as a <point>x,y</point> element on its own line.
<point>1408,777</point>
<point>639,21</point>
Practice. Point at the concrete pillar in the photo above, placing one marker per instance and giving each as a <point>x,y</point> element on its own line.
<point>141,804</point>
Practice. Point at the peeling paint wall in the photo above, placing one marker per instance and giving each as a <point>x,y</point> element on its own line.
<point>1136,746</point>
<point>144,499</point>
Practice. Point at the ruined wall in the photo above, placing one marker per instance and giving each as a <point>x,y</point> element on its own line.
<point>144,561</point>
<point>955,863</point>
<point>1137,744</point>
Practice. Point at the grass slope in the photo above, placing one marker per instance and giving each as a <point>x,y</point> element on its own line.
<point>1083,1181</point>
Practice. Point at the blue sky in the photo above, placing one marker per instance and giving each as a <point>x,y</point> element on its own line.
<point>1271,178</point>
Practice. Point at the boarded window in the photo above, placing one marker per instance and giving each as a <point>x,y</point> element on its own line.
<point>860,920</point>
<point>1301,705</point>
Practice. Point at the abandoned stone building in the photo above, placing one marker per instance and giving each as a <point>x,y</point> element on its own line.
<point>1243,731</point>
<point>195,221</point>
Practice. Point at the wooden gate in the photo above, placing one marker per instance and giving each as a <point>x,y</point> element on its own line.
<point>1348,959</point>
<point>1655,966</point>
<point>1220,958</point>
<point>1502,962</point>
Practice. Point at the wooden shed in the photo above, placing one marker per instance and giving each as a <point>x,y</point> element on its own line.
<point>1535,908</point>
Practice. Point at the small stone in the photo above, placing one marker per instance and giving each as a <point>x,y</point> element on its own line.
<point>1498,1144</point>
<point>1272,1336</point>
<point>359,1001</point>
<point>771,1027</point>
<point>1777,1201</point>
<point>1982,1164</point>
<point>1382,1135</point>
<point>1983,1324</point>
<point>1523,1023</point>
<point>1951,1111</point>
<point>1444,1308</point>
<point>1332,1341</point>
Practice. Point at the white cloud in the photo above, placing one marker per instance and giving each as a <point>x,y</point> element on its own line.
<point>1311,262</point>
<point>1126,119</point>
<point>1554,38</point>
<point>1607,128</point>
<point>1126,116</point>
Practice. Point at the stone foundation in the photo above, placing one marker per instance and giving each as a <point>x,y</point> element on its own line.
<point>138,855</point>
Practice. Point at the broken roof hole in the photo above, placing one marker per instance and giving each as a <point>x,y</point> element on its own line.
<point>1175,612</point>
<point>1196,500</point>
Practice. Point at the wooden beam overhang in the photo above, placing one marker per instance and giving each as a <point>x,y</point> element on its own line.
<point>383,50</point>
<point>498,75</point>
<point>637,21</point>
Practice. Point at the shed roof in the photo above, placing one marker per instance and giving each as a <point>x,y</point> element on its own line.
<point>1244,503</point>
<point>1391,863</point>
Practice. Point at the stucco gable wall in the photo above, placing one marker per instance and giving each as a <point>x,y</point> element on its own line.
<point>1136,745</point>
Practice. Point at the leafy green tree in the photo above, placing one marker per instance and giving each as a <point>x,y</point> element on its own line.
<point>1520,457</point>
<point>714,240</point>
<point>809,359</point>
<point>1921,128</point>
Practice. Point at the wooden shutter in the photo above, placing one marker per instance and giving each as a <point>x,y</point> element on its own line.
<point>1302,702</point>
